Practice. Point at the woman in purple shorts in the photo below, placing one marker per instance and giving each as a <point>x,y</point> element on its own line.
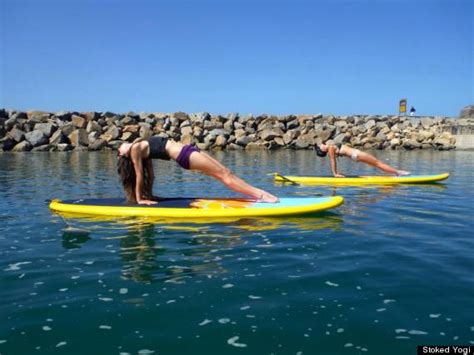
<point>136,170</point>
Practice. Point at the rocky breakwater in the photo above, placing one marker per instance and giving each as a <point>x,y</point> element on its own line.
<point>64,131</point>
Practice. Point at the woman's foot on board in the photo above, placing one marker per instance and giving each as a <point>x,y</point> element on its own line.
<point>267,198</point>
<point>403,173</point>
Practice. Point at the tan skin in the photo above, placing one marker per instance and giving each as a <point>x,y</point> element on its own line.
<point>199,161</point>
<point>363,157</point>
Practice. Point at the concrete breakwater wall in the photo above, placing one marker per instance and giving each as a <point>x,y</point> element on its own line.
<point>63,131</point>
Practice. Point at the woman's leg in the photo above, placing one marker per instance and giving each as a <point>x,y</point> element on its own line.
<point>202,162</point>
<point>371,160</point>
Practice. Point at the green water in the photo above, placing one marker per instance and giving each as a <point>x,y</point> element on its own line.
<point>389,270</point>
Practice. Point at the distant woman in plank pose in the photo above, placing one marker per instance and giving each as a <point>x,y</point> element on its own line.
<point>136,170</point>
<point>337,150</point>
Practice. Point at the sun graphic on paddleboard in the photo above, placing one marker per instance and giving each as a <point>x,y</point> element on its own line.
<point>221,204</point>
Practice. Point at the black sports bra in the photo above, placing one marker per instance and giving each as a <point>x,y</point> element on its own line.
<point>158,148</point>
<point>338,146</point>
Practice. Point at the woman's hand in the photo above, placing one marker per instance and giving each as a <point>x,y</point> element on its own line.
<point>147,202</point>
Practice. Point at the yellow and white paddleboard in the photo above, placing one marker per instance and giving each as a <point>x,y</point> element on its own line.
<point>197,207</point>
<point>361,180</point>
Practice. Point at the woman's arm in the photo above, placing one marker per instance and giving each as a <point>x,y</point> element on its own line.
<point>139,184</point>
<point>150,177</point>
<point>332,158</point>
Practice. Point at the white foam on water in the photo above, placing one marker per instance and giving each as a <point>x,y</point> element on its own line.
<point>16,266</point>
<point>417,332</point>
<point>332,284</point>
<point>145,352</point>
<point>205,321</point>
<point>233,341</point>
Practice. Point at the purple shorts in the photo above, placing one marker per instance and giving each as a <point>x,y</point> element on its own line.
<point>183,157</point>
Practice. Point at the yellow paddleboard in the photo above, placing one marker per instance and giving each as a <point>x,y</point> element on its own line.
<point>361,180</point>
<point>197,207</point>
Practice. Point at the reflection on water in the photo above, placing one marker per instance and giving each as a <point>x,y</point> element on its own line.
<point>139,253</point>
<point>172,250</point>
<point>74,238</point>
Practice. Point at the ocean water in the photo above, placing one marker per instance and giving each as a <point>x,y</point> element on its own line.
<point>390,269</point>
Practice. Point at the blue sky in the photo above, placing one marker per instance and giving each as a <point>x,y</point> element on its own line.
<point>278,57</point>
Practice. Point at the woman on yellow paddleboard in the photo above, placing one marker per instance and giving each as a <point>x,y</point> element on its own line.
<point>136,170</point>
<point>339,150</point>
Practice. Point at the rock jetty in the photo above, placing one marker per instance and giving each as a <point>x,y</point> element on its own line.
<point>65,131</point>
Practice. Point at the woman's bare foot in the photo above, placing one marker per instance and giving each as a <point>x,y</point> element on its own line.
<point>268,198</point>
<point>403,173</point>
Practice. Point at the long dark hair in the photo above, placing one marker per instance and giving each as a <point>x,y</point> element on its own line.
<point>319,152</point>
<point>128,178</point>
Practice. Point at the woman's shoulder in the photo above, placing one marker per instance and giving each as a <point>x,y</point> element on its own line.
<point>139,146</point>
<point>334,145</point>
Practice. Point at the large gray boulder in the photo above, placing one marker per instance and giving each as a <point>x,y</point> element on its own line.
<point>114,133</point>
<point>98,144</point>
<point>58,137</point>
<point>36,138</point>
<point>304,141</point>
<point>218,132</point>
<point>93,126</point>
<point>46,128</point>
<point>242,140</point>
<point>67,129</point>
<point>268,135</point>
<point>17,134</point>
<point>78,121</point>
<point>79,137</point>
